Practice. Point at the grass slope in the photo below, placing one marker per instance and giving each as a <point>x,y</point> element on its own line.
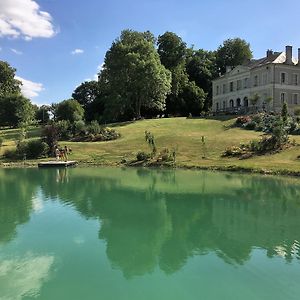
<point>185,134</point>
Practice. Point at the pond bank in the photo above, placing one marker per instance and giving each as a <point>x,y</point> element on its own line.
<point>228,168</point>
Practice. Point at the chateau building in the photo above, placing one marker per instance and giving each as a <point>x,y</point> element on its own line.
<point>260,84</point>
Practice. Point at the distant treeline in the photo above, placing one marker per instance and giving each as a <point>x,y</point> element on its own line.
<point>142,76</point>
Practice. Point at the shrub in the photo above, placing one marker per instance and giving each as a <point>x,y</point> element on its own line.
<point>141,156</point>
<point>1,141</point>
<point>79,127</point>
<point>297,111</point>
<point>31,149</point>
<point>36,149</point>
<point>250,125</point>
<point>233,151</point>
<point>64,130</point>
<point>242,120</point>
<point>94,128</point>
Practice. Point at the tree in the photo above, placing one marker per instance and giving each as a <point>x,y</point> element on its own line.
<point>171,50</point>
<point>42,114</point>
<point>193,98</point>
<point>89,95</point>
<point>8,84</point>
<point>133,76</point>
<point>201,68</point>
<point>69,110</point>
<point>232,53</point>
<point>16,111</point>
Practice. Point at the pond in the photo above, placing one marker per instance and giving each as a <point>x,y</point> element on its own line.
<point>113,233</point>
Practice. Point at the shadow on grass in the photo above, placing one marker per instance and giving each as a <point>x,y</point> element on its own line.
<point>120,124</point>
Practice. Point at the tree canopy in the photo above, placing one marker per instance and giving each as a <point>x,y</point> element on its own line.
<point>16,110</point>
<point>68,110</point>
<point>8,84</point>
<point>133,76</point>
<point>233,52</point>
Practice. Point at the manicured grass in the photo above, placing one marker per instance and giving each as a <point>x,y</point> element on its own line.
<point>185,135</point>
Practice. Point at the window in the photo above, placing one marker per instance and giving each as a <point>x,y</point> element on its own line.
<point>255,80</point>
<point>231,103</point>
<point>217,106</point>
<point>295,79</point>
<point>238,84</point>
<point>224,88</point>
<point>295,98</point>
<point>231,86</point>
<point>265,78</point>
<point>217,90</point>
<point>245,83</point>
<point>224,105</point>
<point>282,98</point>
<point>283,78</point>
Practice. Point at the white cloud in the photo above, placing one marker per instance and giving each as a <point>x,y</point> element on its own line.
<point>29,88</point>
<point>23,18</point>
<point>16,51</point>
<point>77,51</point>
<point>21,277</point>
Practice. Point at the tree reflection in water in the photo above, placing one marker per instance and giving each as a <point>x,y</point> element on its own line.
<point>161,218</point>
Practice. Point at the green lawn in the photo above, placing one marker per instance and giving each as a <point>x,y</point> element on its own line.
<point>185,135</point>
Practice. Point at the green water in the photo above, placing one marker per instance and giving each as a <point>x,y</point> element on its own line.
<point>148,234</point>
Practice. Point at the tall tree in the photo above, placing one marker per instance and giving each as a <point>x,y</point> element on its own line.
<point>201,68</point>
<point>172,52</point>
<point>133,76</point>
<point>8,84</point>
<point>89,96</point>
<point>233,52</point>
<point>69,110</point>
<point>16,110</point>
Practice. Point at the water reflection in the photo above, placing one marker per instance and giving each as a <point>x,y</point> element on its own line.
<point>155,218</point>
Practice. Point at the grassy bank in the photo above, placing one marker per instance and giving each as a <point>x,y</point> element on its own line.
<point>185,135</point>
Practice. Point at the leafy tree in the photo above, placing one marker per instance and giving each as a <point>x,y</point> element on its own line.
<point>8,84</point>
<point>201,68</point>
<point>171,50</point>
<point>42,114</point>
<point>69,110</point>
<point>193,99</point>
<point>89,95</point>
<point>233,52</point>
<point>133,76</point>
<point>16,110</point>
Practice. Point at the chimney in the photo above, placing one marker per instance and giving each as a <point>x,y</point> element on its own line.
<point>228,69</point>
<point>269,52</point>
<point>298,56</point>
<point>288,55</point>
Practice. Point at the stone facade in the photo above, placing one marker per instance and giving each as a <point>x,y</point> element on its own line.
<point>259,85</point>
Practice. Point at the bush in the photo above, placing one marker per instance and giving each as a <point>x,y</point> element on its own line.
<point>250,125</point>
<point>36,149</point>
<point>64,130</point>
<point>141,156</point>
<point>79,127</point>
<point>94,128</point>
<point>242,120</point>
<point>1,141</point>
<point>31,149</point>
<point>233,151</point>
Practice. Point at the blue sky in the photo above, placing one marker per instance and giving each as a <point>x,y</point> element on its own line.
<point>57,44</point>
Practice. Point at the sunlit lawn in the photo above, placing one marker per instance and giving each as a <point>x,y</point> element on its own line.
<point>183,134</point>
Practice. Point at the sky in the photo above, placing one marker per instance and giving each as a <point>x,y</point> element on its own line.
<point>57,44</point>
